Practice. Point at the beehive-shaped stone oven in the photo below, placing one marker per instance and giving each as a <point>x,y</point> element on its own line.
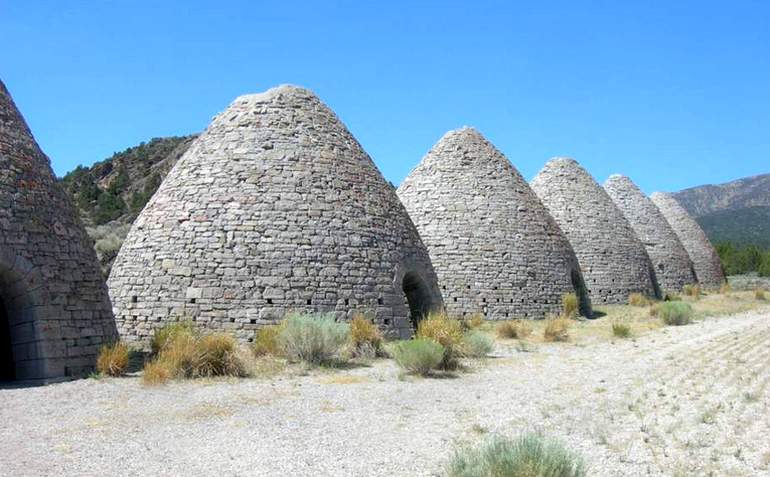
<point>613,260</point>
<point>494,246</point>
<point>708,267</point>
<point>274,208</point>
<point>54,308</point>
<point>673,267</point>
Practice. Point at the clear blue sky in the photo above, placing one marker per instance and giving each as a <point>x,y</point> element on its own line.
<point>673,94</point>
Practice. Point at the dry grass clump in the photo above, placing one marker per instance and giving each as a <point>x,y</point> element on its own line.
<point>364,335</point>
<point>570,305</point>
<point>113,359</point>
<point>163,336</point>
<point>725,289</point>
<point>692,290</point>
<point>418,356</point>
<point>445,331</point>
<point>675,313</point>
<point>266,341</point>
<point>186,354</point>
<point>516,329</point>
<point>476,320</point>
<point>557,329</point>
<point>313,338</point>
<point>638,299</point>
<point>529,455</point>
<point>759,294</point>
<point>621,330</point>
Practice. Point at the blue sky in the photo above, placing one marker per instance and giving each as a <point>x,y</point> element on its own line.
<point>673,94</point>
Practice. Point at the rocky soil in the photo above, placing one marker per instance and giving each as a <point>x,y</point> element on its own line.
<point>691,400</point>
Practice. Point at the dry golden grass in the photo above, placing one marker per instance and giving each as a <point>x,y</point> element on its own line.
<point>638,299</point>
<point>621,330</point>
<point>364,333</point>
<point>155,373</point>
<point>343,379</point>
<point>113,359</point>
<point>759,294</point>
<point>570,305</point>
<point>725,288</point>
<point>476,320</point>
<point>557,329</point>
<point>516,329</point>
<point>445,331</point>
<point>266,341</point>
<point>692,290</point>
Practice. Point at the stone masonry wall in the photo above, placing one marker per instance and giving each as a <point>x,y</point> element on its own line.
<point>708,267</point>
<point>494,246</point>
<point>274,208</point>
<point>673,266</point>
<point>56,301</point>
<point>614,261</point>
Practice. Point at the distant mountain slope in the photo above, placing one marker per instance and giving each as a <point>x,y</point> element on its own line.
<point>748,226</point>
<point>111,193</point>
<point>747,192</point>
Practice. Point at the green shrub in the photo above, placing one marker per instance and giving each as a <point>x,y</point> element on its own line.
<point>529,455</point>
<point>419,356</point>
<point>446,332</point>
<point>313,338</point>
<point>621,330</point>
<point>514,329</point>
<point>113,359</point>
<point>166,334</point>
<point>638,299</point>
<point>570,305</point>
<point>266,341</point>
<point>477,344</point>
<point>675,313</point>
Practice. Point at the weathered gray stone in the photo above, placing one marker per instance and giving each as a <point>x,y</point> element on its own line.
<point>494,246</point>
<point>613,260</point>
<point>708,267</point>
<point>275,207</point>
<point>53,300</point>
<point>673,267</point>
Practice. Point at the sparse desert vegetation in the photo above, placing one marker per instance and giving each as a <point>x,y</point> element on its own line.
<point>113,359</point>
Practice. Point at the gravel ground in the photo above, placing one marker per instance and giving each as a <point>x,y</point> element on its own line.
<point>691,400</point>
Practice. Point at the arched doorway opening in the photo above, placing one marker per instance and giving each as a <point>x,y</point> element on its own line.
<point>7,364</point>
<point>584,303</point>
<point>418,297</point>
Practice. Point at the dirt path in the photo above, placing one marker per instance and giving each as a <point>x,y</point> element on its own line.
<point>692,400</point>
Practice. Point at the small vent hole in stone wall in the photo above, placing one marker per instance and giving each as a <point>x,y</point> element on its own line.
<point>269,301</point>
<point>253,321</point>
<point>134,299</point>
<point>310,302</point>
<point>379,301</point>
<point>232,320</point>
<point>386,321</point>
<point>347,302</point>
<point>192,300</point>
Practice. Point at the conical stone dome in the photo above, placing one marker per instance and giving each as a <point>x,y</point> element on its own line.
<point>54,308</point>
<point>274,208</point>
<point>673,267</point>
<point>494,246</point>
<point>614,261</point>
<point>708,267</point>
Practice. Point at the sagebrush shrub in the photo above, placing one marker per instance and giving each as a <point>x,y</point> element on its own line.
<point>266,341</point>
<point>445,331</point>
<point>419,356</point>
<point>164,335</point>
<point>364,334</point>
<point>113,359</point>
<point>570,305</point>
<point>638,299</point>
<point>529,455</point>
<point>477,344</point>
<point>557,329</point>
<point>514,329</point>
<point>675,313</point>
<point>313,338</point>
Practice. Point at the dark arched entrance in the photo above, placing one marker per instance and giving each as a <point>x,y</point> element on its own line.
<point>418,297</point>
<point>584,303</point>
<point>7,365</point>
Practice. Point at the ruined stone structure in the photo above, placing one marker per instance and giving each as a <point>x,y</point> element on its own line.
<point>673,267</point>
<point>54,308</point>
<point>274,208</point>
<point>613,260</point>
<point>708,267</point>
<point>494,246</point>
